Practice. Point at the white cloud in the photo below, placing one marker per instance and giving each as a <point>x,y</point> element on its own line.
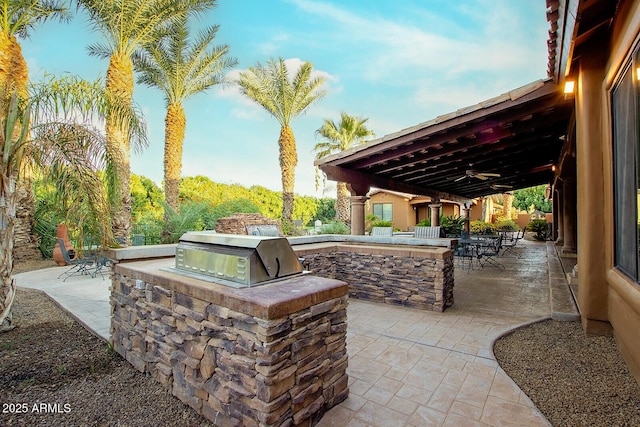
<point>393,49</point>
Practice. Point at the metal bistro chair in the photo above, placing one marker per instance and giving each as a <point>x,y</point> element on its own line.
<point>509,243</point>
<point>465,252</point>
<point>101,263</point>
<point>487,252</point>
<point>78,265</point>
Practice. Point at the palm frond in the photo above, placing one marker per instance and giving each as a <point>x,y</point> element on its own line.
<point>181,68</point>
<point>134,23</point>
<point>283,97</point>
<point>18,17</point>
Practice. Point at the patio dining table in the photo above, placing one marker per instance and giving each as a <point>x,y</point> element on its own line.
<point>480,247</point>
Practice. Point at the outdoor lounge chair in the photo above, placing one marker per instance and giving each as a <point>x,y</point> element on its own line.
<point>382,231</point>
<point>427,232</point>
<point>78,265</point>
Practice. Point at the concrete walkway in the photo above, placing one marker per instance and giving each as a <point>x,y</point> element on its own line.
<point>84,297</point>
<point>409,367</point>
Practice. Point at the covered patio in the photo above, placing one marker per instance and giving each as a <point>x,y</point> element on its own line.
<point>509,142</point>
<point>411,367</point>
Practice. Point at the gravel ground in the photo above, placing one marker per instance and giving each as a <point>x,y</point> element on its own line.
<point>574,380</point>
<point>55,373</point>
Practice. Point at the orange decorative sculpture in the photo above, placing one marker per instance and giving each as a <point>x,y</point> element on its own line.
<point>63,233</point>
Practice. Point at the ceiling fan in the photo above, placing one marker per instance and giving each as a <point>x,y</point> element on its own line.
<point>499,187</point>
<point>472,173</point>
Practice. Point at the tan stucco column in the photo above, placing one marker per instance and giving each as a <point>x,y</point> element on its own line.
<point>592,289</point>
<point>558,216</point>
<point>569,213</point>
<point>466,212</point>
<point>435,213</point>
<point>357,214</point>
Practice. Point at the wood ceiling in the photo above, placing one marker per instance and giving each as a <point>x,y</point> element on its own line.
<point>518,135</point>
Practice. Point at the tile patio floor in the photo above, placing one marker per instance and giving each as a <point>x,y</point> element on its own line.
<point>415,368</point>
<point>406,367</point>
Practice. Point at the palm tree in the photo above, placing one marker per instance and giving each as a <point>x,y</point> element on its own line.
<point>17,19</point>
<point>284,98</point>
<point>69,147</point>
<point>127,26</point>
<point>339,137</point>
<point>181,69</point>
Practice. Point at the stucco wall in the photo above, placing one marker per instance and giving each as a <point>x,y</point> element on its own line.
<point>604,293</point>
<point>406,211</point>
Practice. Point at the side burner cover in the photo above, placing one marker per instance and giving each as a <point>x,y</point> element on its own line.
<point>237,258</point>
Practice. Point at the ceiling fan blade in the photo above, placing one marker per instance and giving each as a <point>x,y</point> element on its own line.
<point>459,179</point>
<point>497,175</point>
<point>481,176</point>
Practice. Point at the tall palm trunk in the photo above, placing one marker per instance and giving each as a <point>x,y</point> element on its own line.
<point>119,85</point>
<point>7,222</point>
<point>343,207</point>
<point>175,123</point>
<point>13,77</point>
<point>288,162</point>
<point>507,205</point>
<point>13,69</point>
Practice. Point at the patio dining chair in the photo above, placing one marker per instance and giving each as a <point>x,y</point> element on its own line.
<point>78,265</point>
<point>487,252</point>
<point>464,252</point>
<point>510,242</point>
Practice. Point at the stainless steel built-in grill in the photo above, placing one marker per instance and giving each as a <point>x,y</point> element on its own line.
<point>235,260</point>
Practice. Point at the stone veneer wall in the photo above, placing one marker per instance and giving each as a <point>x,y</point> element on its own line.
<point>234,368</point>
<point>237,223</point>
<point>411,277</point>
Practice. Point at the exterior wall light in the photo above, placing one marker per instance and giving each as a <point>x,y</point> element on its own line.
<point>569,87</point>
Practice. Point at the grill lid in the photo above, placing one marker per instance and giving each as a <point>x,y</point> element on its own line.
<point>238,258</point>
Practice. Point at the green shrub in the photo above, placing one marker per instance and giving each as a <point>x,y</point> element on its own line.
<point>481,227</point>
<point>424,223</point>
<point>369,220</point>
<point>336,227</point>
<point>380,223</point>
<point>190,217</point>
<point>506,225</point>
<point>452,225</point>
<point>540,227</point>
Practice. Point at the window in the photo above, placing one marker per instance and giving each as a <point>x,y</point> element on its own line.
<point>626,149</point>
<point>384,211</point>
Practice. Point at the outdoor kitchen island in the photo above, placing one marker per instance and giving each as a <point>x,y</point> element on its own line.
<point>261,354</point>
<point>406,271</point>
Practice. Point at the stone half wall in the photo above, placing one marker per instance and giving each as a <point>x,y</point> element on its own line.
<point>237,223</point>
<point>415,277</point>
<point>235,361</point>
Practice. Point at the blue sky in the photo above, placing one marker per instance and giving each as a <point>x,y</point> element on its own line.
<point>398,63</point>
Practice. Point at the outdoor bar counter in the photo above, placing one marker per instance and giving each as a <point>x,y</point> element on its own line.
<point>270,354</point>
<point>407,271</point>
<point>273,353</point>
